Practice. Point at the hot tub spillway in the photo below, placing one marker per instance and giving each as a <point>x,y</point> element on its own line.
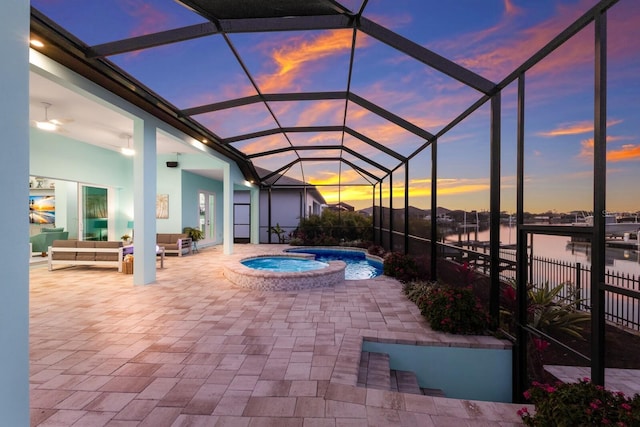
<point>251,278</point>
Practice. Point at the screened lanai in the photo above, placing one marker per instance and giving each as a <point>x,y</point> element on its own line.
<point>499,107</point>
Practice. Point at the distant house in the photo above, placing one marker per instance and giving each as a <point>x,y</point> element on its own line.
<point>342,206</point>
<point>283,201</point>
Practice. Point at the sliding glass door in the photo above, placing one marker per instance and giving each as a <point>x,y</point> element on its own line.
<point>206,217</point>
<point>94,213</point>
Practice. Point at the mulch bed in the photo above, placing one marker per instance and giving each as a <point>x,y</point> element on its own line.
<point>622,349</point>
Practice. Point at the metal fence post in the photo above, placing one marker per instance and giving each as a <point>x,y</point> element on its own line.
<point>578,285</point>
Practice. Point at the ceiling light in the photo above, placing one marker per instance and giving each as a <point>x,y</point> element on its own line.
<point>128,151</point>
<point>46,124</point>
<point>36,43</point>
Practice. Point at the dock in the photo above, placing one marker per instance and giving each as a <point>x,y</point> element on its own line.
<point>480,244</point>
<point>622,244</point>
<point>611,242</point>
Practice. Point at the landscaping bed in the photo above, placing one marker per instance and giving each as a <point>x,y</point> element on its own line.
<point>622,349</point>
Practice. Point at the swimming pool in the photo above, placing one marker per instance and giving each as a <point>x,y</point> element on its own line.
<point>359,265</point>
<point>284,264</point>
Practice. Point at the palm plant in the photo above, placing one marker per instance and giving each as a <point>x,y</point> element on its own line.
<point>194,233</point>
<point>550,312</point>
<point>279,231</point>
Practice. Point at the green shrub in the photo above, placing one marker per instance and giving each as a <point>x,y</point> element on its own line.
<point>354,244</point>
<point>454,310</point>
<point>376,250</point>
<point>402,267</point>
<point>332,227</point>
<point>296,241</point>
<point>325,240</point>
<point>579,404</point>
<point>415,290</point>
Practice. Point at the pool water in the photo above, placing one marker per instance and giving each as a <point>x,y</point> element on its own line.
<point>460,372</point>
<point>284,264</point>
<point>359,267</point>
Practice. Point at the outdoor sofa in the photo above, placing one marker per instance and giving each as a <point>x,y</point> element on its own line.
<point>79,252</point>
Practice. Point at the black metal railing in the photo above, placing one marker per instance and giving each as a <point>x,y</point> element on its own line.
<point>622,291</point>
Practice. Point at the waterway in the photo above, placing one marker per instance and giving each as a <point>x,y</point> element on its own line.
<point>625,261</point>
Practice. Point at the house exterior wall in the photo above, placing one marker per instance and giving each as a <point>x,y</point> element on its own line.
<point>287,207</point>
<point>286,210</point>
<point>313,206</point>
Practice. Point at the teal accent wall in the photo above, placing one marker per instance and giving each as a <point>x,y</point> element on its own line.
<point>55,156</point>
<point>170,183</point>
<point>192,184</point>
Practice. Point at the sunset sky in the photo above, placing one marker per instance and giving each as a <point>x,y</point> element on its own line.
<point>489,37</point>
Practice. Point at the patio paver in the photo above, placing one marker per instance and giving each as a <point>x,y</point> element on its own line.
<point>194,349</point>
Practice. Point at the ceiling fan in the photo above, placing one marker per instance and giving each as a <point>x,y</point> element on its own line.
<point>50,124</point>
<point>127,150</point>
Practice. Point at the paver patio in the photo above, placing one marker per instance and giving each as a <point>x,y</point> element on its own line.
<point>195,350</point>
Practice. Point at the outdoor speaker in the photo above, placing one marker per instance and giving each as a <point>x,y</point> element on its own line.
<point>173,164</point>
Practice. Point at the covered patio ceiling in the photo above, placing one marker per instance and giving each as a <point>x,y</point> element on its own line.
<point>325,92</point>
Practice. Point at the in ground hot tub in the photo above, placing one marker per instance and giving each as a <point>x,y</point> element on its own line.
<point>283,264</point>
<point>286,272</point>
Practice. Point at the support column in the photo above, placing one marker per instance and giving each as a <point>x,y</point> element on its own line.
<point>391,211</point>
<point>269,217</point>
<point>381,214</point>
<point>434,209</point>
<point>305,213</point>
<point>227,214</point>
<point>520,348</point>
<point>494,213</point>
<point>255,215</point>
<point>406,207</point>
<point>599,202</point>
<point>14,172</point>
<point>144,202</point>
<point>373,214</point>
